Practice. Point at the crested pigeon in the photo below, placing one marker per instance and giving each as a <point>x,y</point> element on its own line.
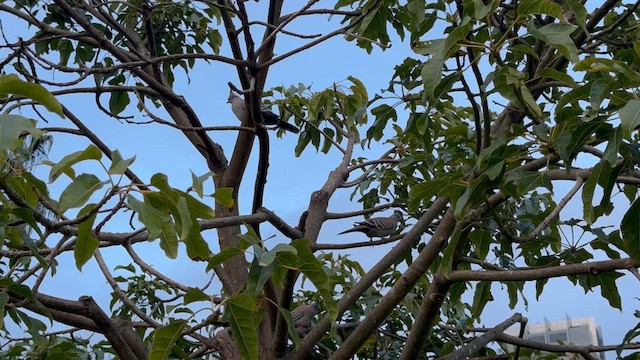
<point>239,108</point>
<point>377,226</point>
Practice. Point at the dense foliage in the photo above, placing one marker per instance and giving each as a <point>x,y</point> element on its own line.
<point>500,105</point>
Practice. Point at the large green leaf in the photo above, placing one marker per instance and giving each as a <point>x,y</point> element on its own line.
<point>11,127</point>
<point>258,276</point>
<point>118,164</point>
<point>630,117</point>
<point>224,196</point>
<point>118,101</point>
<point>240,312</point>
<point>159,225</point>
<point>4,298</point>
<point>86,242</point>
<point>558,36</point>
<point>424,191</point>
<point>164,339</point>
<point>11,84</point>
<point>193,295</point>
<point>481,297</point>
<point>64,166</point>
<point>442,49</point>
<point>197,247</point>
<point>312,268</point>
<point>198,182</point>
<point>630,228</point>
<point>609,289</point>
<point>79,191</point>
<point>222,256</point>
<point>546,7</point>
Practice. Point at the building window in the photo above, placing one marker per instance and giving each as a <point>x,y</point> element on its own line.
<point>554,337</point>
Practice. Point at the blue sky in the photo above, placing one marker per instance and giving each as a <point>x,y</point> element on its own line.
<point>291,180</point>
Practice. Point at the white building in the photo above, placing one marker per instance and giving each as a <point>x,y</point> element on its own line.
<point>582,331</point>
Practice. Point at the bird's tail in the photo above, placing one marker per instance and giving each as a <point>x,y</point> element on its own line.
<point>353,229</point>
<point>288,127</point>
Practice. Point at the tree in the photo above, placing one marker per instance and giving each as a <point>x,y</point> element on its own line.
<point>500,104</point>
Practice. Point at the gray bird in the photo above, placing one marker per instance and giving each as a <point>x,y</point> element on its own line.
<point>303,315</point>
<point>239,108</point>
<point>377,226</point>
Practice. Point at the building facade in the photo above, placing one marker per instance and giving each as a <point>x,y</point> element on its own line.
<point>582,331</point>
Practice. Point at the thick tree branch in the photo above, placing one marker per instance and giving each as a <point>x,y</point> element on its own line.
<point>530,274</point>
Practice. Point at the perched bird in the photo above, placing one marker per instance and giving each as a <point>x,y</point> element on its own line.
<point>378,226</point>
<point>239,108</point>
<point>303,315</point>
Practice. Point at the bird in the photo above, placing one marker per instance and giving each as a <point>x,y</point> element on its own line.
<point>377,226</point>
<point>303,315</point>
<point>239,108</point>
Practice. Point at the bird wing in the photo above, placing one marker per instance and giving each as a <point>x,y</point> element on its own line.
<point>271,118</point>
<point>380,223</point>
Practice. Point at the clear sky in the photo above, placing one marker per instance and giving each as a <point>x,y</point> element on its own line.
<point>291,180</point>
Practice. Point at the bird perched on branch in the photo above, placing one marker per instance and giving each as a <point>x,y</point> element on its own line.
<point>303,315</point>
<point>377,226</point>
<point>239,108</point>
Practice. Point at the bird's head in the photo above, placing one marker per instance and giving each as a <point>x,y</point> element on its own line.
<point>232,96</point>
<point>398,214</point>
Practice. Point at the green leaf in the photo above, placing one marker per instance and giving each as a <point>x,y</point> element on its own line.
<point>119,165</point>
<point>609,289</point>
<point>610,155</point>
<point>630,117</point>
<point>441,50</point>
<point>270,255</point>
<point>258,276</point>
<point>558,36</point>
<point>222,256</point>
<point>481,296</point>
<point>481,240</point>
<point>86,243</point>
<point>193,295</point>
<point>447,256</point>
<point>240,312</point>
<point>527,181</point>
<point>630,227</point>
<point>11,84</point>
<point>554,74</point>
<point>197,247</point>
<point>198,182</point>
<point>4,298</point>
<point>11,126</point>
<point>587,193</point>
<point>473,193</point>
<point>159,225</point>
<point>185,219</point>
<point>293,333</point>
<point>118,101</point>
<point>423,192</point>
<point>165,338</point>
<point>481,10</point>
<point>512,290</point>
<point>572,136</point>
<point>312,268</point>
<point>547,7</point>
<point>64,166</point>
<point>432,74</point>
<point>79,191</point>
<point>224,196</point>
